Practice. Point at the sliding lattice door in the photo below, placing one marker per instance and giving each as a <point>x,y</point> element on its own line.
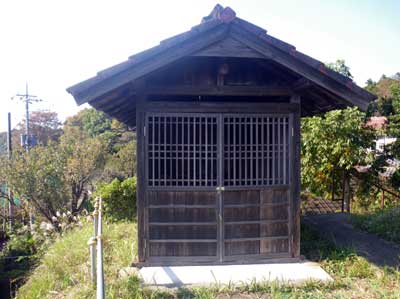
<point>217,186</point>
<point>256,181</point>
<point>182,181</point>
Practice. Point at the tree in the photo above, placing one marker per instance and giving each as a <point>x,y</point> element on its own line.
<point>45,125</point>
<point>118,138</point>
<point>38,177</point>
<point>97,124</point>
<point>393,130</point>
<point>387,104</point>
<point>340,67</point>
<point>122,164</point>
<point>56,177</point>
<point>85,157</point>
<point>3,143</point>
<point>72,164</point>
<point>337,140</point>
<point>90,121</point>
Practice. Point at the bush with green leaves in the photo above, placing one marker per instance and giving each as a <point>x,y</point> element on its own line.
<point>337,140</point>
<point>119,199</point>
<point>18,255</point>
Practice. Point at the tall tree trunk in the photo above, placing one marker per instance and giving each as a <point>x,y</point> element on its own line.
<point>74,203</point>
<point>75,194</point>
<point>85,197</point>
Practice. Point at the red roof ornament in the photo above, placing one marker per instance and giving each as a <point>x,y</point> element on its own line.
<point>227,15</point>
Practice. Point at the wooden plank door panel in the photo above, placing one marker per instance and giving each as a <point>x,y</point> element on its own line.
<point>256,224</point>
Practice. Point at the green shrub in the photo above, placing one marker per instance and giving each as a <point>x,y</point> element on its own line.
<point>23,244</point>
<point>18,256</point>
<point>119,199</point>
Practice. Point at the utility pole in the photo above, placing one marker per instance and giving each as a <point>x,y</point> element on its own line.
<point>10,194</point>
<point>28,99</point>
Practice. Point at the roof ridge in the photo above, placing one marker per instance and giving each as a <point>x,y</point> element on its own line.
<point>227,17</point>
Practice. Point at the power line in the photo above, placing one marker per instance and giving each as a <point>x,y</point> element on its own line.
<point>27,99</point>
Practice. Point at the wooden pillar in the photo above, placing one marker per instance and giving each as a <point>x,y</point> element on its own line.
<point>295,180</point>
<point>141,176</point>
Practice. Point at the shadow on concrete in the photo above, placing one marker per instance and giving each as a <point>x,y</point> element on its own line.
<point>174,278</point>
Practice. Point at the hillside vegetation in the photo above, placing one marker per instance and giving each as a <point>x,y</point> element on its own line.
<point>64,272</point>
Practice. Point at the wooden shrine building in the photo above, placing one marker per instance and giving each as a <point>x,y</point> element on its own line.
<point>217,112</point>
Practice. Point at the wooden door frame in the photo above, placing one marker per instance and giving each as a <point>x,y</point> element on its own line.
<point>144,106</point>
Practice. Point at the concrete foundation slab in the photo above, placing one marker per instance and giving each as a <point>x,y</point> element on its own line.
<point>176,276</point>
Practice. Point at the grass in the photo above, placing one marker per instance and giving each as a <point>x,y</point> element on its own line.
<point>384,223</point>
<point>64,269</point>
<point>64,273</point>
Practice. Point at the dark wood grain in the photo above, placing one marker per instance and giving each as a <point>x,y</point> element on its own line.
<point>296,183</point>
<point>267,90</point>
<point>141,183</point>
<point>228,47</point>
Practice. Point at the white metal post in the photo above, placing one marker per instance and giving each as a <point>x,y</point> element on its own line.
<point>100,274</point>
<point>92,251</point>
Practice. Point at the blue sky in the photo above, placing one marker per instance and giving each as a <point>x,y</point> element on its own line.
<point>54,44</point>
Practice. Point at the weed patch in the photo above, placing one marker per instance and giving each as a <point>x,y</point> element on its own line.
<point>384,223</point>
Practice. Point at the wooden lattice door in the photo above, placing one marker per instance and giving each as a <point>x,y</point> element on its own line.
<point>218,186</point>
<point>182,199</point>
<point>256,179</point>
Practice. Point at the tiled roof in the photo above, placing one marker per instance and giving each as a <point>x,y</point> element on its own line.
<point>315,205</point>
<point>218,16</point>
